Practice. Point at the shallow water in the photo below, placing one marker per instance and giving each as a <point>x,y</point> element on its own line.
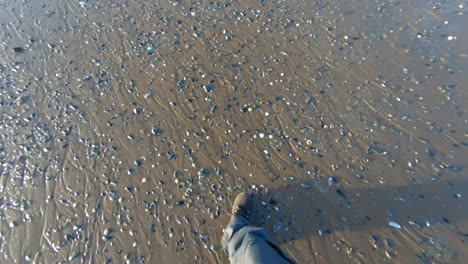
<point>127,129</point>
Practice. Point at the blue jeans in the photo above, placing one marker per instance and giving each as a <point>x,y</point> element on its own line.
<point>248,244</point>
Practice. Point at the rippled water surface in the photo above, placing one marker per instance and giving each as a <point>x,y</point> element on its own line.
<point>128,127</point>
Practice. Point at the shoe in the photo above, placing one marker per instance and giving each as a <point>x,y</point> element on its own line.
<point>242,205</point>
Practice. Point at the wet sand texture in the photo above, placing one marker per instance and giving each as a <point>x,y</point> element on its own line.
<point>128,127</point>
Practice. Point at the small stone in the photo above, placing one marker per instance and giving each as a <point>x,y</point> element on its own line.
<point>137,163</point>
<point>278,226</point>
<point>218,170</point>
<point>18,50</point>
<point>204,237</point>
<point>390,254</point>
<point>14,224</point>
<point>203,172</point>
<point>156,131</point>
<point>150,50</point>
<point>428,224</point>
<point>181,83</point>
<point>208,88</point>
<point>332,181</point>
<point>394,224</point>
<point>107,231</point>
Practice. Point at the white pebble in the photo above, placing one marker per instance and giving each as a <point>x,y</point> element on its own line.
<point>394,224</point>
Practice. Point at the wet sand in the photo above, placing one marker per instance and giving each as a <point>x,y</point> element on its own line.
<point>128,128</point>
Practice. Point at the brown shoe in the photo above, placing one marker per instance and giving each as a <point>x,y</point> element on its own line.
<point>242,205</point>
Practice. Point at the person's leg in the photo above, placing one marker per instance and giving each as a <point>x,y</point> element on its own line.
<point>247,244</point>
<point>237,222</point>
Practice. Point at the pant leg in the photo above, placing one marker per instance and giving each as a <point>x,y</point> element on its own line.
<point>236,223</point>
<point>248,244</point>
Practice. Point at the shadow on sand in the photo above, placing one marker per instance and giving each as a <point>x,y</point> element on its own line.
<point>294,212</point>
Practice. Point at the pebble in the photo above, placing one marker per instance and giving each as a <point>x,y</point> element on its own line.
<point>18,50</point>
<point>278,225</point>
<point>204,237</point>
<point>107,234</point>
<point>156,131</point>
<point>213,247</point>
<point>208,88</point>
<point>137,163</point>
<point>394,224</point>
<point>203,172</point>
<point>428,224</point>
<point>390,254</point>
<point>150,50</point>
<point>332,181</point>
<point>181,83</point>
<point>148,95</point>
